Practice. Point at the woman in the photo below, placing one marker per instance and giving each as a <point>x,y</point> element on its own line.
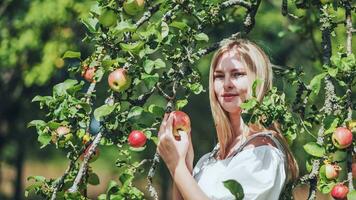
<point>255,156</point>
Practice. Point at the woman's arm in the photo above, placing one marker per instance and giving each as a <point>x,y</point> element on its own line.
<point>186,184</point>
<point>176,195</point>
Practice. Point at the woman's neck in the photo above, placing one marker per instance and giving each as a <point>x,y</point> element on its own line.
<point>238,126</point>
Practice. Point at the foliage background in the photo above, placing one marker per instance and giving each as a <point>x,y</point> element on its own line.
<point>35,34</point>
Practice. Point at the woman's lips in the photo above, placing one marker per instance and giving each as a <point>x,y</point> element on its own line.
<point>229,98</point>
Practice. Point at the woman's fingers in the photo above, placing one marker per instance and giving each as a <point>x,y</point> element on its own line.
<point>163,125</point>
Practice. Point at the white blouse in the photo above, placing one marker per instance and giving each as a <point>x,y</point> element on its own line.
<point>261,172</point>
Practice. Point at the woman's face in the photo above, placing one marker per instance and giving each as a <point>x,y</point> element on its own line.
<point>230,82</point>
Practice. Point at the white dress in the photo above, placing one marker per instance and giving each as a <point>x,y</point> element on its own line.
<point>261,171</point>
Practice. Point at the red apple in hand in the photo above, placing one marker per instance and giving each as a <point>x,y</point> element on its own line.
<point>342,138</point>
<point>332,171</point>
<point>181,122</point>
<point>119,80</point>
<point>339,191</point>
<point>137,139</point>
<point>88,73</point>
<point>94,156</point>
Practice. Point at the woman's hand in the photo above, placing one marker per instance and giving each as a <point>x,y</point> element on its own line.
<point>173,152</point>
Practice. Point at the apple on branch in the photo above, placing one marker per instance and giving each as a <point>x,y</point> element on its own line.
<point>342,137</point>
<point>88,73</point>
<point>137,139</point>
<point>332,171</point>
<point>119,80</point>
<point>339,191</point>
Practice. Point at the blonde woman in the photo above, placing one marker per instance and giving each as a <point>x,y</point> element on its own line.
<point>255,156</point>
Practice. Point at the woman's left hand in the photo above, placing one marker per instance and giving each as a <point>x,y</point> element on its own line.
<point>173,152</point>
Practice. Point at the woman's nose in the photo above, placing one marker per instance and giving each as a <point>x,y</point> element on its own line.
<point>228,83</point>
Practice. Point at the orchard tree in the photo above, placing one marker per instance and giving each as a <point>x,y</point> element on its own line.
<point>33,37</point>
<point>147,49</point>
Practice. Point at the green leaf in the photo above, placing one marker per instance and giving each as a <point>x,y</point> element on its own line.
<point>351,194</point>
<point>36,123</point>
<point>165,30</point>
<point>42,98</point>
<point>126,177</point>
<point>93,179</point>
<point>315,83</point>
<point>138,149</point>
<point>181,103</point>
<point>135,111</point>
<point>103,111</point>
<point>196,88</point>
<point>339,156</point>
<point>156,110</point>
<point>133,47</point>
<point>179,25</point>
<point>202,37</point>
<point>251,103</point>
<point>314,149</point>
<point>91,24</point>
<point>37,178</point>
<point>330,124</point>
<point>71,54</point>
<point>112,188</point>
<point>150,80</point>
<point>44,139</point>
<point>235,188</point>
<point>125,26</point>
<point>159,64</point>
<point>333,71</point>
<point>53,125</point>
<point>61,88</point>
<point>148,66</point>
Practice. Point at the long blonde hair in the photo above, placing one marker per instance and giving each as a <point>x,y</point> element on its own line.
<point>258,65</point>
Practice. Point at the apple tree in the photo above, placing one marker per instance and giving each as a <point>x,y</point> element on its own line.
<point>146,49</point>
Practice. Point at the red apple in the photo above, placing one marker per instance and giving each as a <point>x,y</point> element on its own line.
<point>339,191</point>
<point>181,122</point>
<point>133,7</point>
<point>332,171</point>
<point>88,73</point>
<point>137,139</point>
<point>342,137</point>
<point>94,156</point>
<point>119,80</point>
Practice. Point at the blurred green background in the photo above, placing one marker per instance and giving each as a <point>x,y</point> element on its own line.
<point>34,34</point>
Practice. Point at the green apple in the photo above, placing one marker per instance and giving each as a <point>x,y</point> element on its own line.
<point>134,7</point>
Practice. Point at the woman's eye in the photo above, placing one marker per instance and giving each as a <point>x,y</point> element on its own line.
<point>219,76</point>
<point>238,74</point>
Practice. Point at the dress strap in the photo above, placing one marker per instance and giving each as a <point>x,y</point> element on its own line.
<point>261,134</point>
